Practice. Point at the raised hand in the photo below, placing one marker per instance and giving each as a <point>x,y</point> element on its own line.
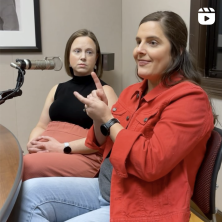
<point>96,104</point>
<point>100,91</point>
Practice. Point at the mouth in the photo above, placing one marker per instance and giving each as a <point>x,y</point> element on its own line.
<point>142,62</point>
<point>82,65</point>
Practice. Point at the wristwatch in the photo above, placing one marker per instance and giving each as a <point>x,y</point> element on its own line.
<point>67,149</point>
<point>105,128</point>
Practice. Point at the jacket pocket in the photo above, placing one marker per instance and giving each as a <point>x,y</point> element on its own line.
<point>121,113</point>
<point>146,122</point>
<point>145,118</point>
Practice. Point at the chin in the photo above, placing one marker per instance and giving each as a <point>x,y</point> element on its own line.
<point>83,72</point>
<point>143,75</point>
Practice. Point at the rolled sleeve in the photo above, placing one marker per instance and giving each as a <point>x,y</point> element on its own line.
<point>91,141</point>
<point>121,149</point>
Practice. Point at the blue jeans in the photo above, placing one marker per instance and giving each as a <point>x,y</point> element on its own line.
<point>57,199</point>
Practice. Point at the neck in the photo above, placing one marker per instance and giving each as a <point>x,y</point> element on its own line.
<point>80,75</point>
<point>151,85</point>
<point>82,79</point>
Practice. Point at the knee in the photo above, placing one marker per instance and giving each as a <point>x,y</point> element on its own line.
<point>29,199</point>
<point>31,167</point>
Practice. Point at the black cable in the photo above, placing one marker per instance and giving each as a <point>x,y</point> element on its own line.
<point>20,81</point>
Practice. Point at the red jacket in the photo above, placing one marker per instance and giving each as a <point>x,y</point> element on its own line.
<point>156,158</point>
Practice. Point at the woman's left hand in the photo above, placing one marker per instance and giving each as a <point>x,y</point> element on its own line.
<point>100,91</point>
<point>49,145</point>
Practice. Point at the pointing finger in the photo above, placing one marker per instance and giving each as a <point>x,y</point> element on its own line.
<point>96,81</point>
<point>81,98</point>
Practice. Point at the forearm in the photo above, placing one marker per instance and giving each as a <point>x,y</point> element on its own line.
<point>78,146</point>
<point>36,132</point>
<point>114,130</point>
<point>100,138</point>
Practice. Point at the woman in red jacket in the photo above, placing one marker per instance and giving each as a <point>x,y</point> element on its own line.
<point>154,140</point>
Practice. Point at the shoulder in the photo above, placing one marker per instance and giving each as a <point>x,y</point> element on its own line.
<point>188,85</point>
<point>187,88</point>
<point>59,88</point>
<point>63,85</point>
<point>102,82</point>
<point>190,97</point>
<point>109,91</point>
<point>190,102</point>
<point>107,88</point>
<point>51,94</point>
<point>53,90</point>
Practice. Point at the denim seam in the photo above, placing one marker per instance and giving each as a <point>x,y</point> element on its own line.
<point>59,201</point>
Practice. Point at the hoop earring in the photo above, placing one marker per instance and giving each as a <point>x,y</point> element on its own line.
<point>95,68</point>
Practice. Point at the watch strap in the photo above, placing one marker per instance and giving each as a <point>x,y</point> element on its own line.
<point>67,149</point>
<point>111,122</point>
<point>105,128</point>
<point>66,144</point>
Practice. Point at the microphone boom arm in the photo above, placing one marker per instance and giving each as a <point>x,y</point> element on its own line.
<point>9,94</point>
<point>22,64</point>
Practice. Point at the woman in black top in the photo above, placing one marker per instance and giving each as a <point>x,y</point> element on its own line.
<point>63,124</point>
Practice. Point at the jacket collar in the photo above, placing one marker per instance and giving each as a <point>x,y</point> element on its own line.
<point>160,88</point>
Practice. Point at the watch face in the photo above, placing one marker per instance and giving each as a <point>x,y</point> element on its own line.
<point>67,150</point>
<point>104,130</point>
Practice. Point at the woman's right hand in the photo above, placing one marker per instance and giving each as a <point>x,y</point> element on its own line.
<point>31,146</point>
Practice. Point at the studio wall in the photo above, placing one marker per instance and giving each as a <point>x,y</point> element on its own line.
<point>59,19</point>
<point>115,23</point>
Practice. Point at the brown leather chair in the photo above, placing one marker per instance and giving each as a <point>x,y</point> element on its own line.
<point>205,185</point>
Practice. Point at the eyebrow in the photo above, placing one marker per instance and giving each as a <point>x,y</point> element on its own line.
<point>85,49</point>
<point>89,48</point>
<point>149,37</point>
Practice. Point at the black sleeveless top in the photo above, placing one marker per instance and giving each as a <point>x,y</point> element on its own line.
<point>66,107</point>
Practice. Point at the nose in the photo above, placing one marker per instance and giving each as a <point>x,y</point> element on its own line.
<point>83,55</point>
<point>141,48</point>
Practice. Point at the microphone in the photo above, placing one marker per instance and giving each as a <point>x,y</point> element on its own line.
<point>48,63</point>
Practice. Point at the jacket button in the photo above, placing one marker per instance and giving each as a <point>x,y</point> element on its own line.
<point>127,118</point>
<point>137,96</point>
<point>145,120</point>
<point>114,109</point>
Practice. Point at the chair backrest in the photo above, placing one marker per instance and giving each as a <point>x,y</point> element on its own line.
<point>205,185</point>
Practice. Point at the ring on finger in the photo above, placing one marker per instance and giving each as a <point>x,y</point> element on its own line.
<point>84,110</point>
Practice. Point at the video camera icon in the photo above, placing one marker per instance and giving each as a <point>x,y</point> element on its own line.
<point>206,16</point>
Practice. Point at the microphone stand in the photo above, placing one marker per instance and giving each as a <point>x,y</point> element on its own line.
<point>10,93</point>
